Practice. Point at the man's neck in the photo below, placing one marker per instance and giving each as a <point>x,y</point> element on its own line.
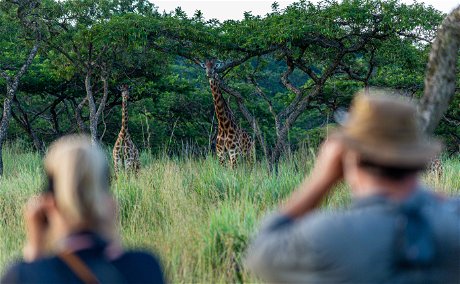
<point>395,190</point>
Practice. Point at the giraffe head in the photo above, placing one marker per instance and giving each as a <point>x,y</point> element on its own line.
<point>124,91</point>
<point>211,66</point>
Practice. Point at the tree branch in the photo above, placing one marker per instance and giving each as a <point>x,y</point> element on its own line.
<point>261,93</point>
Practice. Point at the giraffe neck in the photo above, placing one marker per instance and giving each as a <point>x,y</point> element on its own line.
<point>124,116</point>
<point>223,112</point>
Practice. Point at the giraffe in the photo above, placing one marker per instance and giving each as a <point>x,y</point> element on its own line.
<point>436,168</point>
<point>125,153</point>
<point>440,79</point>
<point>231,138</point>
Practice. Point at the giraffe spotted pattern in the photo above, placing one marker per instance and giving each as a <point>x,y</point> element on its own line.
<point>231,140</point>
<point>436,168</point>
<point>125,153</point>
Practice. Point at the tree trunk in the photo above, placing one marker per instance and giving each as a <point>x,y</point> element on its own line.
<point>1,158</point>
<point>11,89</point>
<point>92,108</point>
<point>285,125</point>
<point>94,113</point>
<point>80,124</point>
<point>441,72</point>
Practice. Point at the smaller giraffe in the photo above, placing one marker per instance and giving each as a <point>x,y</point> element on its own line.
<point>125,153</point>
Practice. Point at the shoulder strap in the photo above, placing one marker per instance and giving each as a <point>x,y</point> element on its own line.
<point>78,267</point>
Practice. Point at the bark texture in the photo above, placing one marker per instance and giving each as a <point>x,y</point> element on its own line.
<point>12,83</point>
<point>94,110</point>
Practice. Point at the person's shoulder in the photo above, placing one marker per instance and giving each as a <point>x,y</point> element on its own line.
<point>21,272</point>
<point>140,266</point>
<point>437,199</point>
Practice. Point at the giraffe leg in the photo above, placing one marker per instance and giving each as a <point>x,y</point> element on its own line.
<point>131,156</point>
<point>233,157</point>
<point>116,155</point>
<point>136,161</point>
<point>126,158</point>
<point>436,168</point>
<point>233,151</point>
<point>247,148</point>
<point>220,149</point>
<point>118,164</point>
<point>249,152</point>
<point>250,155</point>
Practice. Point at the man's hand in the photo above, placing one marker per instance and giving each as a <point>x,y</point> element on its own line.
<point>328,170</point>
<point>36,220</point>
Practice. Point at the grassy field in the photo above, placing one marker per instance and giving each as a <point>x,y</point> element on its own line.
<point>194,214</point>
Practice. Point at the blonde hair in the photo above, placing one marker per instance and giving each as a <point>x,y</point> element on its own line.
<point>79,176</point>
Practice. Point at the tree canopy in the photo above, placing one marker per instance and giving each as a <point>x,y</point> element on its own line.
<point>284,74</point>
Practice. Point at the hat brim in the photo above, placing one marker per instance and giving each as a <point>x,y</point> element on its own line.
<point>417,155</point>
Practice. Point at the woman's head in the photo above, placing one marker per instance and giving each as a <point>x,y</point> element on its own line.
<point>78,181</point>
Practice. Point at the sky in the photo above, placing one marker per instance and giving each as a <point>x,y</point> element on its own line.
<point>225,9</point>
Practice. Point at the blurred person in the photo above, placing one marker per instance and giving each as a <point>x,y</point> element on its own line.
<point>71,227</point>
<point>396,231</point>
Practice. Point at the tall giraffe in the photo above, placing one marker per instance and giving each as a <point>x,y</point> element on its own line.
<point>125,153</point>
<point>230,137</point>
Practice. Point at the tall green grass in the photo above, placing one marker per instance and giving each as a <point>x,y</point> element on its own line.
<point>196,215</point>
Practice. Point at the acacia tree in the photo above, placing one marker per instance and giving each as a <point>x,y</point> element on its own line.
<point>17,19</point>
<point>223,45</point>
<point>53,99</point>
<point>89,36</point>
<point>318,44</point>
<point>331,42</point>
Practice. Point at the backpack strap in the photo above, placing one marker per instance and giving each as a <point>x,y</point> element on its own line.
<point>78,267</point>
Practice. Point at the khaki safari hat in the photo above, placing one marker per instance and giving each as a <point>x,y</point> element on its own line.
<point>384,129</point>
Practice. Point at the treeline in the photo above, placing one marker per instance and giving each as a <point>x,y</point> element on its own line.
<point>285,74</point>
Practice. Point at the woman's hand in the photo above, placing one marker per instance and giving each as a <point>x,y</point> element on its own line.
<point>328,170</point>
<point>37,225</point>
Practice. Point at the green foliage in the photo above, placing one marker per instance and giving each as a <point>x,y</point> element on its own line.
<point>15,40</point>
<point>171,105</point>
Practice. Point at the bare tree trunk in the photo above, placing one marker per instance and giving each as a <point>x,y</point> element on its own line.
<point>12,84</point>
<point>78,118</point>
<point>10,93</point>
<point>286,124</point>
<point>94,114</point>
<point>92,107</point>
<point>441,72</point>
